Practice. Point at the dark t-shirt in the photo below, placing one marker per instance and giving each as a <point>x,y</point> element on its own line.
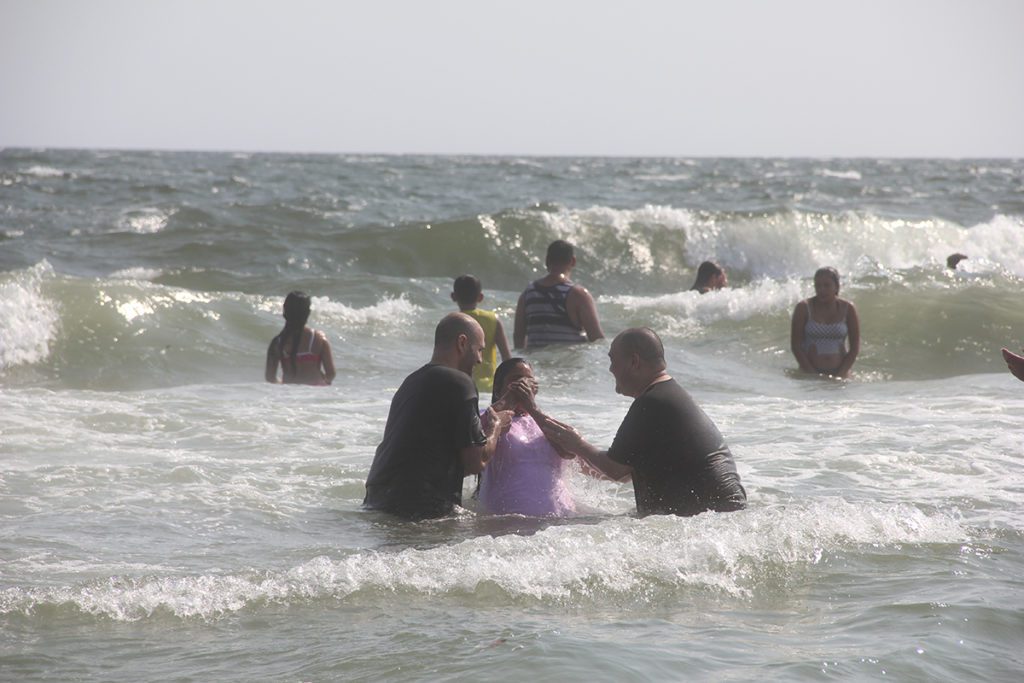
<point>680,462</point>
<point>417,471</point>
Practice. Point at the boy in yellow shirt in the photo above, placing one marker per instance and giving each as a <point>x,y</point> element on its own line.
<point>467,293</point>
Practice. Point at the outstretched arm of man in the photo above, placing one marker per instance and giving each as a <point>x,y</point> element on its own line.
<point>567,439</point>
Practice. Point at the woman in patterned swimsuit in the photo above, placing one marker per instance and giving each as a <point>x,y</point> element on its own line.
<point>821,326</point>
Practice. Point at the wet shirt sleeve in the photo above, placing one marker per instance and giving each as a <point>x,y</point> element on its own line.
<point>468,429</point>
<point>633,440</point>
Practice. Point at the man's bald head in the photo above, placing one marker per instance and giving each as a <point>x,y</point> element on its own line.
<point>643,342</point>
<point>451,326</point>
<point>458,342</point>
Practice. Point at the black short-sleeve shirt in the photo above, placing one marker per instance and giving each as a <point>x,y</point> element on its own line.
<point>417,471</point>
<point>681,464</point>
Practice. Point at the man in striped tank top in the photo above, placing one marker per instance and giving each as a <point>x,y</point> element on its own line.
<point>553,309</point>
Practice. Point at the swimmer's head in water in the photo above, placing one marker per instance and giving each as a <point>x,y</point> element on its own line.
<point>954,259</point>
<point>502,372</point>
<point>296,309</point>
<point>710,275</point>
<point>467,291</point>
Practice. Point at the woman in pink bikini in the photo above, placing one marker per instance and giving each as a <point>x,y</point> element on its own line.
<point>526,474</point>
<point>303,353</point>
<point>820,327</point>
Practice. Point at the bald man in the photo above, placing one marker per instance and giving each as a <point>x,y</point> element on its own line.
<point>434,436</point>
<point>674,453</point>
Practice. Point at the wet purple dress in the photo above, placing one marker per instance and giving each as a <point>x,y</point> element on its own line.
<point>525,475</point>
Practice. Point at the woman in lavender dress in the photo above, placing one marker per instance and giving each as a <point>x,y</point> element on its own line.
<point>526,474</point>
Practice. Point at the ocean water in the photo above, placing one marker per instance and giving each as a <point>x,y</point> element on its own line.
<point>167,515</point>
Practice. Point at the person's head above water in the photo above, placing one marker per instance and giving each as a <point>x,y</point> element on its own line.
<point>560,257</point>
<point>296,309</point>
<point>826,283</point>
<point>710,276</point>
<point>953,260</point>
<point>637,358</point>
<point>458,342</point>
<point>467,291</point>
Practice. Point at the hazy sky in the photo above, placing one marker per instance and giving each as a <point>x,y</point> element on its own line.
<point>672,78</point>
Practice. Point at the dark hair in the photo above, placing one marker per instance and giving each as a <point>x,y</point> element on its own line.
<point>645,343</point>
<point>501,372</point>
<point>296,313</point>
<point>560,252</point>
<point>705,272</point>
<point>831,272</point>
<point>451,326</point>
<point>467,290</point>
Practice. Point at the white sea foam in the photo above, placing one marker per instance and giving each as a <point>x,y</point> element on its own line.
<point>144,221</point>
<point>999,243</point>
<point>625,557</point>
<point>43,172</point>
<point>28,319</point>
<point>587,227</point>
<point>846,175</point>
<point>137,273</point>
<point>792,244</point>
<point>391,312</point>
<point>740,303</point>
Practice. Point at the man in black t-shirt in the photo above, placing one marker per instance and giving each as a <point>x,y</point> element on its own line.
<point>677,458</point>
<point>434,436</point>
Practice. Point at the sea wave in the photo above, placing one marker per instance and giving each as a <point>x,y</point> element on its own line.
<point>126,331</point>
<point>658,248</point>
<point>622,559</point>
<point>29,319</point>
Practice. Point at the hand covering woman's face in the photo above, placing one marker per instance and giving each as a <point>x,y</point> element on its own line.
<point>519,373</point>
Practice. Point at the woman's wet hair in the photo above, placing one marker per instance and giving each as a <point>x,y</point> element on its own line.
<point>705,272</point>
<point>501,373</point>
<point>831,272</point>
<point>296,312</point>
